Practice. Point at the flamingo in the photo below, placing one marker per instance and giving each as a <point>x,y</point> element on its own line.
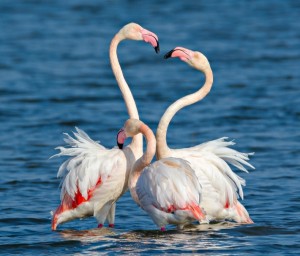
<point>168,189</point>
<point>220,185</point>
<point>93,178</point>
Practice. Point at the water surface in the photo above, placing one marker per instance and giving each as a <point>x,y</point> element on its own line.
<point>55,74</point>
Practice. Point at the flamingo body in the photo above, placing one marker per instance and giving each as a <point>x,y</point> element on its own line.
<point>169,191</point>
<point>221,187</point>
<point>93,179</point>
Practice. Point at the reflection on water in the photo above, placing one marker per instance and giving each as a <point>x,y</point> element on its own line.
<point>87,236</point>
<point>194,238</point>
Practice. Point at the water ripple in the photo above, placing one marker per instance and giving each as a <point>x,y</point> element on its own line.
<point>55,74</point>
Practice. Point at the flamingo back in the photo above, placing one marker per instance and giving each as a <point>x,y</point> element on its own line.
<point>171,186</point>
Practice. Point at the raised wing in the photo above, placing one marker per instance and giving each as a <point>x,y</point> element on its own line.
<point>89,165</point>
<point>211,161</point>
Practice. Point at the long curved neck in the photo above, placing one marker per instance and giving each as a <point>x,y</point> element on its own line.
<point>162,149</point>
<point>137,141</point>
<point>143,161</point>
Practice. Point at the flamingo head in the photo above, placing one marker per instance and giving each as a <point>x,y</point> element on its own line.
<point>134,31</point>
<point>193,58</point>
<point>131,128</point>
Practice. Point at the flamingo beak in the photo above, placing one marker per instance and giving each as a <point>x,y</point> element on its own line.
<point>181,53</point>
<point>121,138</point>
<point>120,145</point>
<point>151,38</point>
<point>169,54</point>
<point>156,48</point>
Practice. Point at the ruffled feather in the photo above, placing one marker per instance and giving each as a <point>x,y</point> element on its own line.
<point>212,159</point>
<point>169,184</point>
<point>88,162</point>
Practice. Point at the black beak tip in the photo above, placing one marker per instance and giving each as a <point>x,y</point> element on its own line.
<point>168,54</point>
<point>120,145</point>
<point>156,48</point>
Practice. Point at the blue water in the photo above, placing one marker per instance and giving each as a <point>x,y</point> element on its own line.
<point>55,74</point>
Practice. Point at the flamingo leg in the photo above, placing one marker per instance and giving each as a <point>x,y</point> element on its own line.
<point>180,227</point>
<point>101,214</point>
<point>163,229</point>
<point>111,216</point>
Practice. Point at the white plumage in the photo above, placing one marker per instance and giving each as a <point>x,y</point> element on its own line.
<point>93,178</point>
<point>169,191</point>
<point>221,186</point>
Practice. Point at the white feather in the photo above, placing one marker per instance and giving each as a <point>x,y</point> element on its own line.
<point>211,161</point>
<point>88,162</point>
<point>162,185</point>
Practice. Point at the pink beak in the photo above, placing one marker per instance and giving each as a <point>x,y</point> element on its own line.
<point>180,52</point>
<point>151,38</point>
